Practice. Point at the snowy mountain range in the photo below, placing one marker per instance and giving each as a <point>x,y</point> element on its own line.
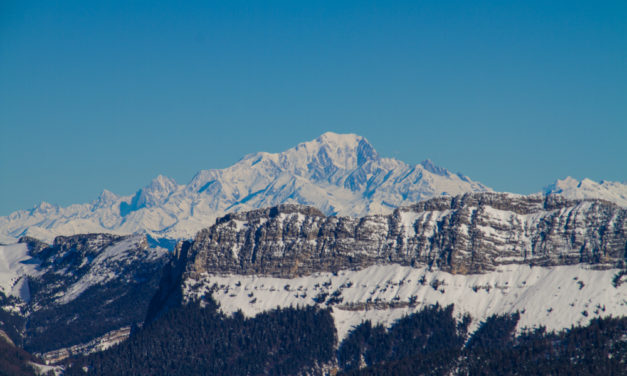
<point>559,262</point>
<point>340,174</point>
<point>378,239</point>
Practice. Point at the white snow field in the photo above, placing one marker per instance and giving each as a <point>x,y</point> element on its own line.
<point>555,297</point>
<point>15,267</point>
<point>615,192</point>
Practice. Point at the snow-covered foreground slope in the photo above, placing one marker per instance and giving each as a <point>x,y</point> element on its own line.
<point>15,266</point>
<point>108,265</point>
<point>339,174</point>
<point>555,297</point>
<point>606,190</point>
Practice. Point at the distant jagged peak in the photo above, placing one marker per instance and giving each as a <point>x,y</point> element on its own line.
<point>346,151</point>
<point>561,184</point>
<point>428,165</point>
<point>106,198</point>
<point>336,141</point>
<point>161,184</point>
<point>343,151</point>
<point>45,207</point>
<point>570,183</point>
<point>107,195</point>
<point>155,192</point>
<point>319,160</point>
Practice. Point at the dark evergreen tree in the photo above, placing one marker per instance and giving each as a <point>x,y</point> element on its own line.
<point>14,361</point>
<point>191,340</point>
<point>421,343</point>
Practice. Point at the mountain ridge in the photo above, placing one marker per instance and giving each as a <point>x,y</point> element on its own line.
<point>509,245</point>
<point>471,233</point>
<point>558,262</point>
<point>578,189</point>
<point>340,174</point>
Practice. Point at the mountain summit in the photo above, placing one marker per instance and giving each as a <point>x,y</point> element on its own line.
<point>338,173</point>
<point>606,190</point>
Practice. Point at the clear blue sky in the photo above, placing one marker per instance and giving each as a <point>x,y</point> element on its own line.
<point>109,94</point>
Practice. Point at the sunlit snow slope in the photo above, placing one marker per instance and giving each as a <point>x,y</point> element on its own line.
<point>606,190</point>
<point>15,266</point>
<point>556,297</point>
<point>76,289</point>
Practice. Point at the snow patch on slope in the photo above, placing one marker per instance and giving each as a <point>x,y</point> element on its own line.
<point>15,267</point>
<point>569,187</point>
<point>101,271</point>
<point>556,297</point>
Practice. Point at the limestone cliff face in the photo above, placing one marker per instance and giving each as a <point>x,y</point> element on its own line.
<point>472,233</point>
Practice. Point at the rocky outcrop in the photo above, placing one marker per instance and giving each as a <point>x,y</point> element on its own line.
<point>169,293</point>
<point>471,233</point>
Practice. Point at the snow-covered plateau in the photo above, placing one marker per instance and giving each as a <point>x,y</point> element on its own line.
<point>557,262</point>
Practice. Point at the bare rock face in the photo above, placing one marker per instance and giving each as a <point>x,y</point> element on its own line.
<point>472,233</point>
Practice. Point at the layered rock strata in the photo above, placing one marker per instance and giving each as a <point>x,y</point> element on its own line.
<point>471,233</point>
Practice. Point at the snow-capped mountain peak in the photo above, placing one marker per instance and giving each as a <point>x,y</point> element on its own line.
<point>153,194</point>
<point>428,165</point>
<point>607,190</point>
<point>337,173</point>
<point>330,152</point>
<point>156,191</point>
<point>106,198</point>
<point>345,151</point>
<point>45,207</point>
